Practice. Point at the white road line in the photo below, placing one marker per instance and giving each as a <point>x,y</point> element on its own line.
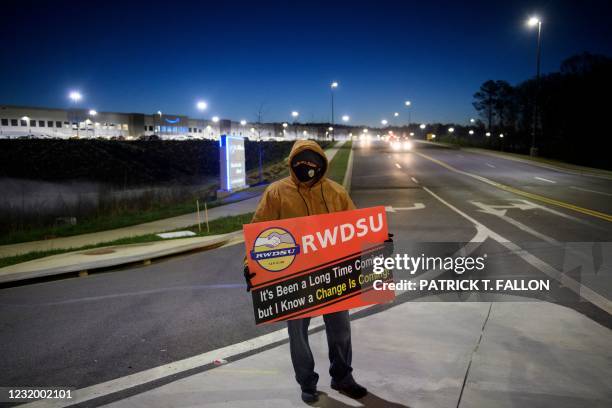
<point>398,165</point>
<point>590,191</point>
<point>490,165</point>
<point>156,373</point>
<point>567,281</point>
<point>546,180</point>
<point>414,180</point>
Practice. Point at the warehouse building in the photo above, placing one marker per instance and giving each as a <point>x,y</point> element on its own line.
<point>50,123</point>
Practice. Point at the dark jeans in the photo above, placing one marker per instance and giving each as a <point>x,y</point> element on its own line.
<point>338,330</point>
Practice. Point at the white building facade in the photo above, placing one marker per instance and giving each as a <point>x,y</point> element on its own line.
<point>51,123</point>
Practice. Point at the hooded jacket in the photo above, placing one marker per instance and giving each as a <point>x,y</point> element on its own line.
<point>288,198</point>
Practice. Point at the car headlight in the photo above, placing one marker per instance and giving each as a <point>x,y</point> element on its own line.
<point>407,146</point>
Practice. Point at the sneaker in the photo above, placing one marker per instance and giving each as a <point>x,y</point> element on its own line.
<point>351,389</point>
<point>310,395</point>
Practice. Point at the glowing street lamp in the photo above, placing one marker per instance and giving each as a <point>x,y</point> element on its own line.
<point>501,135</point>
<point>346,118</point>
<point>384,122</point>
<point>451,129</point>
<point>243,122</point>
<point>202,106</point>
<point>396,114</point>
<point>92,112</point>
<point>472,120</point>
<point>488,134</point>
<point>471,132</point>
<point>215,119</point>
<point>285,125</point>
<point>422,126</point>
<point>75,96</point>
<point>533,21</point>
<point>295,114</point>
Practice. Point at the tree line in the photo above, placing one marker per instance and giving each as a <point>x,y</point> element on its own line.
<point>569,107</point>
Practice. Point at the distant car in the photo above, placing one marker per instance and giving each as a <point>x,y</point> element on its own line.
<point>149,137</point>
<point>402,143</point>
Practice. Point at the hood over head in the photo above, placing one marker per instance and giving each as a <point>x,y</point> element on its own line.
<point>310,153</point>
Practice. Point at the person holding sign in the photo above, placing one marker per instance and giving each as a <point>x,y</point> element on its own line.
<point>307,191</point>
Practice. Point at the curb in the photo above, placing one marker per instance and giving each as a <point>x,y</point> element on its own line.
<point>83,268</point>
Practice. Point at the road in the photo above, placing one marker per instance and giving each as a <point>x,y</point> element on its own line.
<point>83,331</point>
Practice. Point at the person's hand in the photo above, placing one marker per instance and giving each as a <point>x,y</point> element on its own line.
<point>389,246</point>
<point>248,276</point>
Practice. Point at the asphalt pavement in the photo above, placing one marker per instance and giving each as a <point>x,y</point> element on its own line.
<point>83,331</point>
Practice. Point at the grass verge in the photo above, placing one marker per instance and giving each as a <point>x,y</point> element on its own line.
<point>338,165</point>
<point>219,226</point>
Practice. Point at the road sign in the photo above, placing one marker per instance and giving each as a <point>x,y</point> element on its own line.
<point>232,163</point>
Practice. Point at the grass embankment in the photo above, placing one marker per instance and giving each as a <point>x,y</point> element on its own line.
<point>337,170</point>
<point>128,218</point>
<point>125,218</point>
<point>338,165</point>
<point>219,226</point>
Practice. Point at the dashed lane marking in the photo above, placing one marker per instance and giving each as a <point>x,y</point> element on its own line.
<point>591,191</point>
<point>546,180</point>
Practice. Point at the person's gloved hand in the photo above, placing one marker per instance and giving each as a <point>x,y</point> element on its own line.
<point>248,276</point>
<point>389,247</point>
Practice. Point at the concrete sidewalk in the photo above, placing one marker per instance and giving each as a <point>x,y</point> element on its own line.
<point>168,224</point>
<point>109,256</point>
<point>427,354</point>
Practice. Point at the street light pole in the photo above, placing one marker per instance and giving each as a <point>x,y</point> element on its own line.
<point>294,115</point>
<point>408,104</point>
<point>334,85</point>
<point>76,96</point>
<point>532,22</point>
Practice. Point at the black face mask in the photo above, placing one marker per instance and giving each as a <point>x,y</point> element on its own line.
<point>308,166</point>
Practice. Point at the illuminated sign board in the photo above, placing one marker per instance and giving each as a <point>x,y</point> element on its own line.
<point>232,163</point>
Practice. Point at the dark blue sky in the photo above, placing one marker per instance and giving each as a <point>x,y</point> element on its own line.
<point>143,56</point>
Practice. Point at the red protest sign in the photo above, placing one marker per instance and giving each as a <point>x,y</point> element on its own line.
<point>309,266</point>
